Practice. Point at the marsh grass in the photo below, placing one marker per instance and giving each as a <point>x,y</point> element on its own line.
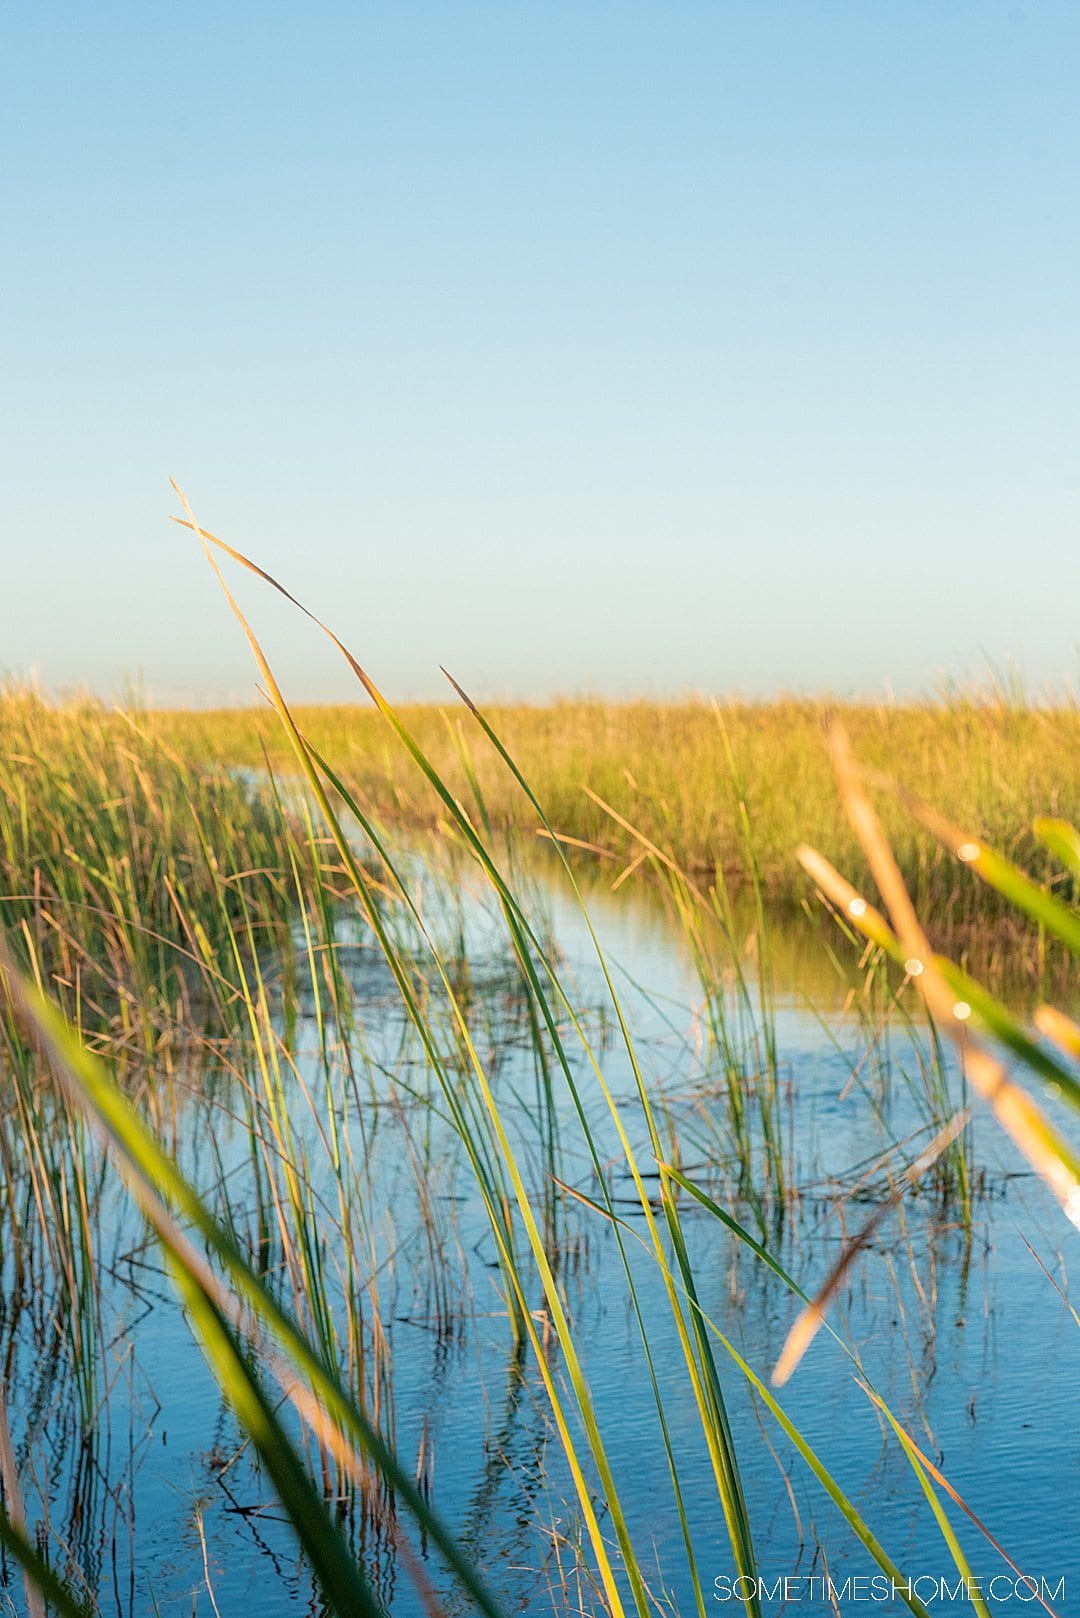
<point>690,777</point>
<point>126,869</point>
<point>170,918</point>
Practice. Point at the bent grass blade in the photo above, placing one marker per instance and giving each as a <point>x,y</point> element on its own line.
<point>1047,1151</point>
<point>699,1359</point>
<point>552,1296</point>
<point>161,1192</point>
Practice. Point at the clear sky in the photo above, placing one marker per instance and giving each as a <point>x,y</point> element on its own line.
<point>581,345</point>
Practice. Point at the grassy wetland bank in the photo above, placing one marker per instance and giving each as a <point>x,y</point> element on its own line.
<point>434,1181</point>
<point>729,788</point>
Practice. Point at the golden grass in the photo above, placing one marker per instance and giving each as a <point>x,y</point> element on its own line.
<point>679,771</point>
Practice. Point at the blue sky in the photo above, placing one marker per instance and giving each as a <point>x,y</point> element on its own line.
<point>625,348</point>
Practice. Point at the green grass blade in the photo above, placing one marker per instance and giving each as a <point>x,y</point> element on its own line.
<point>1042,907</point>
<point>717,1427</point>
<point>152,1174</point>
<point>343,1585</point>
<point>845,1506</point>
<point>988,1013</point>
<point>38,1571</point>
<point>1063,841</point>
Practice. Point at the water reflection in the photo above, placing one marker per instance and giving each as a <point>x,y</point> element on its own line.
<point>159,1502</point>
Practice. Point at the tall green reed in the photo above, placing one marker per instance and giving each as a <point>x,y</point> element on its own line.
<point>671,1250</point>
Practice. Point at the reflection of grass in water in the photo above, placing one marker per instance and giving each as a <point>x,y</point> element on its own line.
<point>298,1238</point>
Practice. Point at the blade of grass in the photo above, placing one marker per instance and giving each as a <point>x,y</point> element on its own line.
<point>158,1186</point>
<point>554,1301</point>
<point>1063,841</point>
<point>1046,1151</point>
<point>707,1388</point>
<point>993,867</point>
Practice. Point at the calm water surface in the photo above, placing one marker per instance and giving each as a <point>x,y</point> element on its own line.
<point>968,1342</point>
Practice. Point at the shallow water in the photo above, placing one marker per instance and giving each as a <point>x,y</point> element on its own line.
<point>968,1343</point>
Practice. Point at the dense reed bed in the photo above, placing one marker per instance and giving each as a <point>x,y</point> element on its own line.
<point>688,776</point>
<point>124,867</point>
